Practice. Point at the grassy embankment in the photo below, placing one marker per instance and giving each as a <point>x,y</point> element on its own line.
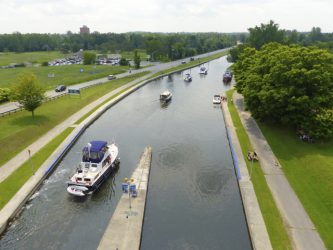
<point>66,74</point>
<point>10,186</point>
<point>20,130</point>
<point>309,169</point>
<point>6,58</point>
<point>275,227</point>
<point>130,54</point>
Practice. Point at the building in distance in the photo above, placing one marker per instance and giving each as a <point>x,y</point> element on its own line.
<point>84,29</point>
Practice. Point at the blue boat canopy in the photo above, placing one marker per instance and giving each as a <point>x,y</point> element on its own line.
<point>94,152</point>
<point>97,146</point>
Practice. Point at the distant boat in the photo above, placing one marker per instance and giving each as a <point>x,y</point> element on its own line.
<point>165,96</point>
<point>188,77</point>
<point>227,77</point>
<point>217,99</point>
<point>98,161</point>
<point>203,70</point>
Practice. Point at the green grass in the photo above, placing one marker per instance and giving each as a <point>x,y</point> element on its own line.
<point>7,58</point>
<point>309,169</point>
<point>130,54</point>
<point>274,224</point>
<point>10,186</point>
<point>66,74</point>
<point>191,64</point>
<point>20,130</point>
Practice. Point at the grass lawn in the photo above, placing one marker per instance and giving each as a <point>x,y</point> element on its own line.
<point>309,169</point>
<point>7,58</point>
<point>17,179</point>
<point>130,54</point>
<point>20,130</point>
<point>66,74</point>
<point>274,224</point>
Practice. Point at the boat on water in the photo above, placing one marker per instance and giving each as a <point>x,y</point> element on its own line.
<point>165,96</point>
<point>217,99</point>
<point>203,70</point>
<point>227,77</point>
<point>98,161</point>
<point>188,77</point>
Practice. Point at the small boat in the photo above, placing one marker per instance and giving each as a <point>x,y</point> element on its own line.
<point>188,77</point>
<point>98,161</point>
<point>203,70</point>
<point>227,77</point>
<point>217,99</point>
<point>165,96</point>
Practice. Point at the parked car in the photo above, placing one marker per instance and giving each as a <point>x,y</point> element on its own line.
<point>110,77</point>
<point>60,88</point>
<point>183,62</point>
<point>192,59</point>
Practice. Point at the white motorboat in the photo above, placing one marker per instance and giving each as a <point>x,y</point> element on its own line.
<point>217,99</point>
<point>203,70</point>
<point>188,77</point>
<point>98,161</point>
<point>165,96</point>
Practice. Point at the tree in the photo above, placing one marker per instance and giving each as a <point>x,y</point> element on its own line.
<point>123,62</point>
<point>266,33</point>
<point>28,92</point>
<point>137,59</point>
<point>289,85</point>
<point>89,58</point>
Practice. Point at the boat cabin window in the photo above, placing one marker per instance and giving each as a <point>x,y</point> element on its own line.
<point>79,179</point>
<point>94,165</point>
<point>86,179</point>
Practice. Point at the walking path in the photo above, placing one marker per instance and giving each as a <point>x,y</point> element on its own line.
<point>10,166</point>
<point>256,224</point>
<point>299,225</point>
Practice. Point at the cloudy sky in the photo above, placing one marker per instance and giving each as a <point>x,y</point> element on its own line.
<point>60,16</point>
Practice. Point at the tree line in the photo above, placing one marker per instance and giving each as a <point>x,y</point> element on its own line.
<point>166,46</point>
<point>288,84</point>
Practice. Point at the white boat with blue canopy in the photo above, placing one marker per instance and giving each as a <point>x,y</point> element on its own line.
<point>203,70</point>
<point>98,161</point>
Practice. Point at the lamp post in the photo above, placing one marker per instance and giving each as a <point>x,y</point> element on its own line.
<point>32,166</point>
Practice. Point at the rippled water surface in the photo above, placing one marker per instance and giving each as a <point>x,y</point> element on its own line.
<point>193,199</point>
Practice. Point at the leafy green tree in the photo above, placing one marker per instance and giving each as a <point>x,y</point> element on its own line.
<point>4,94</point>
<point>123,62</point>
<point>89,58</point>
<point>288,85</point>
<point>137,59</point>
<point>266,33</point>
<point>29,92</point>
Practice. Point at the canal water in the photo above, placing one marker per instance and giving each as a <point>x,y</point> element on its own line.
<point>193,198</point>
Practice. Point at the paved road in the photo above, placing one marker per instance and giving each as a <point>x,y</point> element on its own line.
<point>298,223</point>
<point>156,67</point>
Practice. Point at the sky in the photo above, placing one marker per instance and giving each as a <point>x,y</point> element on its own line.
<point>118,16</point>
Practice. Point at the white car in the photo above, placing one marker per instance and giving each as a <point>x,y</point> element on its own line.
<point>110,77</point>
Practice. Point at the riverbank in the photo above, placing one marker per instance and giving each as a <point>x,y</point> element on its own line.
<point>125,226</point>
<point>256,225</point>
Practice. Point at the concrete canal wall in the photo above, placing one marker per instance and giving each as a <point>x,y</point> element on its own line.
<point>256,225</point>
<point>125,226</point>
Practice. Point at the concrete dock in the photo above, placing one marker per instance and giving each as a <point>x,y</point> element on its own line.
<point>125,226</point>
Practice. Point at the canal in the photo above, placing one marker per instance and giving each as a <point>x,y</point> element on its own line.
<point>193,198</point>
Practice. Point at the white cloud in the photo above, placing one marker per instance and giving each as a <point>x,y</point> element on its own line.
<point>58,16</point>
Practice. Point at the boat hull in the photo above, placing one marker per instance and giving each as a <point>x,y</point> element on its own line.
<point>79,189</point>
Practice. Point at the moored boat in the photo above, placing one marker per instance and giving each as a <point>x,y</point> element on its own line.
<point>217,99</point>
<point>227,77</point>
<point>203,70</point>
<point>188,77</point>
<point>165,96</point>
<point>98,161</point>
